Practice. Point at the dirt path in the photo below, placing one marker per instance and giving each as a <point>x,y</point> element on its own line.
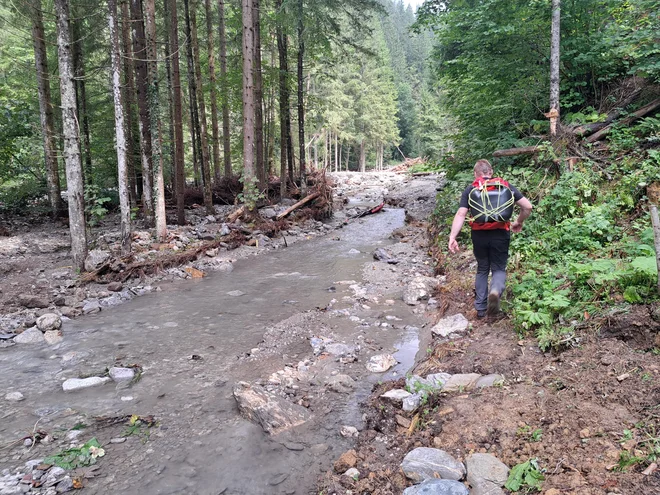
<point>177,430</point>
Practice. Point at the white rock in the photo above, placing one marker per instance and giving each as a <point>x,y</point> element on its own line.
<point>352,473</point>
<point>396,395</point>
<point>120,375</point>
<point>456,324</point>
<point>14,397</point>
<point>95,258</point>
<point>48,322</point>
<point>348,431</point>
<point>30,336</point>
<point>381,363</point>
<point>80,383</point>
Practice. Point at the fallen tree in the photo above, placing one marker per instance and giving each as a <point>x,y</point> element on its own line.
<point>627,121</point>
<point>526,150</point>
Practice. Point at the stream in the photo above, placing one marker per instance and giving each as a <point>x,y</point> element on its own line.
<point>192,339</point>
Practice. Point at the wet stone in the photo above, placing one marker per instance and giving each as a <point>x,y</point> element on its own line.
<point>437,487</point>
<point>14,397</point>
<point>48,322</point>
<point>121,375</point>
<point>381,363</point>
<point>115,286</point>
<point>30,336</point>
<point>425,463</point>
<point>53,337</point>
<point>294,446</point>
<point>80,383</point>
<point>397,395</point>
<point>278,479</point>
<point>91,307</point>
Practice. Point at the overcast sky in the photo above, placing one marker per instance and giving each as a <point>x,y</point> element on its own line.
<point>414,3</point>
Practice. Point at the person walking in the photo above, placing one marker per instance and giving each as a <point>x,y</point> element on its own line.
<point>490,202</point>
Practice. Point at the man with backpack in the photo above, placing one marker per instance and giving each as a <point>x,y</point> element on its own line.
<point>489,201</point>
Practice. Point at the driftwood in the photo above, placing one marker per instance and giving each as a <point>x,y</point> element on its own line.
<point>236,215</point>
<point>628,120</point>
<point>527,150</point>
<point>300,203</point>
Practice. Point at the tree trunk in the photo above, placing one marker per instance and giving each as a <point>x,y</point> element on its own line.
<point>192,96</point>
<point>655,221</point>
<point>120,131</point>
<point>348,156</point>
<point>554,67</point>
<point>81,95</point>
<point>248,101</point>
<point>259,98</point>
<point>363,157</point>
<point>135,190</point>
<point>139,57</point>
<point>46,109</point>
<point>154,122</point>
<point>284,101</point>
<point>179,166</point>
<point>71,150</point>
<point>203,129</point>
<point>226,148</point>
<point>168,171</point>
<point>301,94</point>
<point>215,145</point>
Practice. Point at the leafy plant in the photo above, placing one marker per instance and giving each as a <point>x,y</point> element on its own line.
<point>77,457</point>
<point>527,476</point>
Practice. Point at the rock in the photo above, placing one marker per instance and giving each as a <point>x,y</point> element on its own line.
<point>224,230</point>
<point>66,485</point>
<point>48,322</point>
<point>79,383</point>
<point>118,440</point>
<point>91,307</point>
<point>268,212</point>
<point>30,301</point>
<point>486,468</point>
<point>121,375</point>
<point>273,413</point>
<point>427,463</point>
<point>30,336</point>
<point>381,363</point>
<point>352,473</point>
<point>413,401</point>
<point>418,289</point>
<point>381,254</point>
<point>488,488</point>
<point>346,461</point>
<point>95,258</point>
<point>296,447</point>
<point>490,380</point>
<point>456,324</point>
<point>432,383</point>
<point>461,382</point>
<point>339,349</point>
<point>236,293</point>
<point>212,253</point>
<point>340,383</point>
<point>353,251</point>
<point>397,395</point>
<point>53,337</point>
<point>348,431</point>
<point>115,286</point>
<point>14,397</point>
<point>437,487</point>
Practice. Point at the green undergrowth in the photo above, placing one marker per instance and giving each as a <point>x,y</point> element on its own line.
<point>588,246</point>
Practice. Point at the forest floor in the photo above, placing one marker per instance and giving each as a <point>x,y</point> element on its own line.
<point>588,413</point>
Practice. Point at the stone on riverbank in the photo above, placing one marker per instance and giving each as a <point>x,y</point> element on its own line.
<point>30,336</point>
<point>14,397</point>
<point>486,473</point>
<point>381,363</point>
<point>455,325</point>
<point>80,383</point>
<point>48,322</point>
<point>397,395</point>
<point>121,375</point>
<point>425,463</point>
<point>437,487</point>
<point>419,288</point>
<point>273,413</point>
<point>53,337</point>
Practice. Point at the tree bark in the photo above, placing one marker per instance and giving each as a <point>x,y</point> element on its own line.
<point>259,99</point>
<point>192,95</point>
<point>655,221</point>
<point>226,148</point>
<point>120,131</point>
<point>284,101</point>
<point>215,145</point>
<point>46,109</point>
<point>301,93</point>
<point>71,150</point>
<point>155,123</point>
<point>81,95</point>
<point>201,105</point>
<point>363,157</point>
<point>554,66</point>
<point>248,98</point>
<point>139,58</point>
<point>129,104</point>
<point>526,150</point>
<point>179,170</point>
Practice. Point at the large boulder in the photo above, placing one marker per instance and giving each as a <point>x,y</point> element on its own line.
<point>273,413</point>
<point>48,322</point>
<point>425,463</point>
<point>437,487</point>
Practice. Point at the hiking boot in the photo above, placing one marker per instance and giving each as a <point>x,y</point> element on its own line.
<point>481,313</point>
<point>493,303</point>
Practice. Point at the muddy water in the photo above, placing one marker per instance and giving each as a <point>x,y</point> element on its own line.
<point>202,445</point>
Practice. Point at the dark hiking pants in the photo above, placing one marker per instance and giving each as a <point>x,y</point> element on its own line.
<point>491,249</point>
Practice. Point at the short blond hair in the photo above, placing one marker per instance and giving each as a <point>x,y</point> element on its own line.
<point>483,168</point>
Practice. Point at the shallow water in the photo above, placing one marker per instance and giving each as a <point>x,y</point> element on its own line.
<point>202,446</point>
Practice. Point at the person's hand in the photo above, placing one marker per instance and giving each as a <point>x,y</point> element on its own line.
<point>516,226</point>
<point>453,246</point>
